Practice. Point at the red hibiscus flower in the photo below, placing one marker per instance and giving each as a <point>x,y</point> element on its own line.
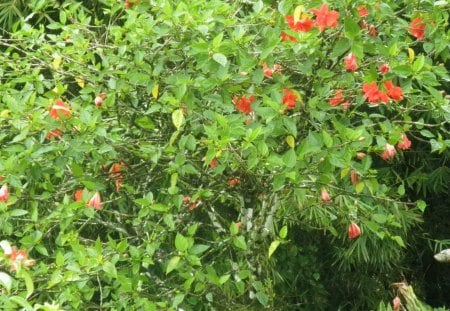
<point>268,72</point>
<point>337,99</point>
<point>325,195</point>
<point>353,231</point>
<point>60,109</point>
<point>213,163</point>
<point>405,143</point>
<point>394,92</point>
<point>289,99</point>
<point>325,18</point>
<point>78,195</point>
<point>389,152</point>
<point>304,24</point>
<point>384,68</point>
<point>417,28</point>
<point>350,62</point>
<point>233,182</point>
<point>243,104</point>
<point>4,193</point>
<point>373,94</point>
<point>95,201</point>
<point>115,173</point>
<point>362,11</point>
<point>285,37</point>
<point>53,134</point>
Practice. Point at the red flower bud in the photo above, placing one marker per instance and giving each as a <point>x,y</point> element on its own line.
<point>4,193</point>
<point>353,231</point>
<point>325,195</point>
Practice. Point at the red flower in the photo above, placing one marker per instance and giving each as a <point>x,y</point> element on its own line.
<point>54,134</point>
<point>269,71</point>
<point>284,37</point>
<point>354,177</point>
<point>389,152</point>
<point>4,193</point>
<point>233,182</point>
<point>396,303</point>
<point>337,98</point>
<point>213,163</point>
<point>289,99</point>
<point>78,195</point>
<point>405,143</point>
<point>394,92</point>
<point>417,28</point>
<point>115,172</point>
<point>373,94</point>
<point>345,105</point>
<point>325,18</point>
<point>2,178</point>
<point>350,62</point>
<point>353,231</point>
<point>60,109</point>
<point>194,204</point>
<point>362,11</point>
<point>325,195</point>
<point>186,199</point>
<point>243,104</point>
<point>304,24</point>
<point>99,99</point>
<point>384,68</point>
<point>95,201</point>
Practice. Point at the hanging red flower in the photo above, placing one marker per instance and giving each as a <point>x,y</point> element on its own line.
<point>4,193</point>
<point>353,231</point>
<point>304,24</point>
<point>389,152</point>
<point>95,201</point>
<point>405,143</point>
<point>350,62</point>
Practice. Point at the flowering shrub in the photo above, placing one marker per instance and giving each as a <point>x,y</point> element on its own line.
<point>164,155</point>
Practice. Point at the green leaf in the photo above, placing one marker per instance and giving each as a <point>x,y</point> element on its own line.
<point>159,207</point>
<point>23,274</point>
<point>421,205</point>
<point>239,242</point>
<point>351,28</point>
<point>327,139</point>
<point>379,218</point>
<point>21,302</point>
<point>110,269</point>
<point>418,63</point>
<point>17,212</point>
<point>220,58</point>
<point>5,280</point>
<point>399,240</point>
<point>198,249</point>
<point>177,300</point>
<point>234,230</point>
<point>145,122</point>
<point>262,298</point>
<point>283,232</point>
<point>181,243</point>
<point>273,247</point>
<point>178,118</point>
<point>224,278</point>
<point>172,264</point>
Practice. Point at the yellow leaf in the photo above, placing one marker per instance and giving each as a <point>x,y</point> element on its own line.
<point>411,55</point>
<point>155,91</point>
<point>290,140</point>
<point>80,81</point>
<point>4,113</point>
<point>298,13</point>
<point>57,62</point>
<point>178,118</point>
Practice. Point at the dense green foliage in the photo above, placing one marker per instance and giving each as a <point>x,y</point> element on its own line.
<point>230,163</point>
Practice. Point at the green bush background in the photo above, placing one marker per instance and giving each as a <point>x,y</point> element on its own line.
<point>170,70</point>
